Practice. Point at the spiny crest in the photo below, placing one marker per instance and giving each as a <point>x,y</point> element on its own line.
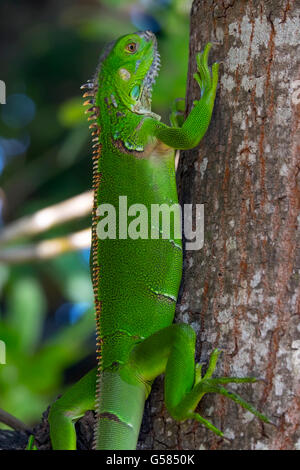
<point>92,85</point>
<point>91,88</point>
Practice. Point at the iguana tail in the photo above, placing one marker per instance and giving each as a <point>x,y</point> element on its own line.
<point>119,407</point>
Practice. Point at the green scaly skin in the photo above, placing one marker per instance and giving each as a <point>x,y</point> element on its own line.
<point>136,282</point>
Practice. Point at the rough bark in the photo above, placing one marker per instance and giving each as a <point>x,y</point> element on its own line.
<point>13,440</point>
<point>241,291</point>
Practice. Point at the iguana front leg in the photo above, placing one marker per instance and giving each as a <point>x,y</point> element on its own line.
<point>194,127</point>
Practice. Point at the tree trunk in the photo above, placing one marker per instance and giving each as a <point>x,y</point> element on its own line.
<point>241,290</point>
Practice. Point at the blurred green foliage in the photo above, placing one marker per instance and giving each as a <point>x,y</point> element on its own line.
<point>48,49</point>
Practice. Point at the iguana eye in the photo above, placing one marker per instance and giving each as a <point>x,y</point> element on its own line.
<point>131,47</point>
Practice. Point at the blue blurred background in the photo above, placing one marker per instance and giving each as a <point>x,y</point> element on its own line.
<point>48,49</point>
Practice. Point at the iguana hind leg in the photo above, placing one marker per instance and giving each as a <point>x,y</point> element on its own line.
<point>171,350</point>
<point>68,409</point>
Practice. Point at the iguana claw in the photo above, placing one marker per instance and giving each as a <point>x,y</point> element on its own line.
<point>207,80</point>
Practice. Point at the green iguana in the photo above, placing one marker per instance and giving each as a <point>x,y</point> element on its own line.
<point>136,280</point>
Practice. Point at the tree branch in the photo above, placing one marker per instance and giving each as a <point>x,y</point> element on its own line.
<point>12,421</point>
<point>73,208</point>
<point>47,248</point>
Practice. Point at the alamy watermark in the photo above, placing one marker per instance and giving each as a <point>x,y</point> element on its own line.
<point>164,221</point>
<point>2,92</point>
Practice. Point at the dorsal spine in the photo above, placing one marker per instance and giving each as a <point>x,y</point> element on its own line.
<point>92,90</point>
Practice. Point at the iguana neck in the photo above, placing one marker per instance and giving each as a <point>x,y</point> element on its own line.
<point>113,110</point>
<point>117,122</point>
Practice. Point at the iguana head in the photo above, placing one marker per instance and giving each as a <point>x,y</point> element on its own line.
<point>131,64</point>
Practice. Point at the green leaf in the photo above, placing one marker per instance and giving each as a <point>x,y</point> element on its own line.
<point>71,112</point>
<point>27,311</point>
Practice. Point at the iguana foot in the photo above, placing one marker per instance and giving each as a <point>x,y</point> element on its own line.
<point>206,79</point>
<point>206,384</point>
